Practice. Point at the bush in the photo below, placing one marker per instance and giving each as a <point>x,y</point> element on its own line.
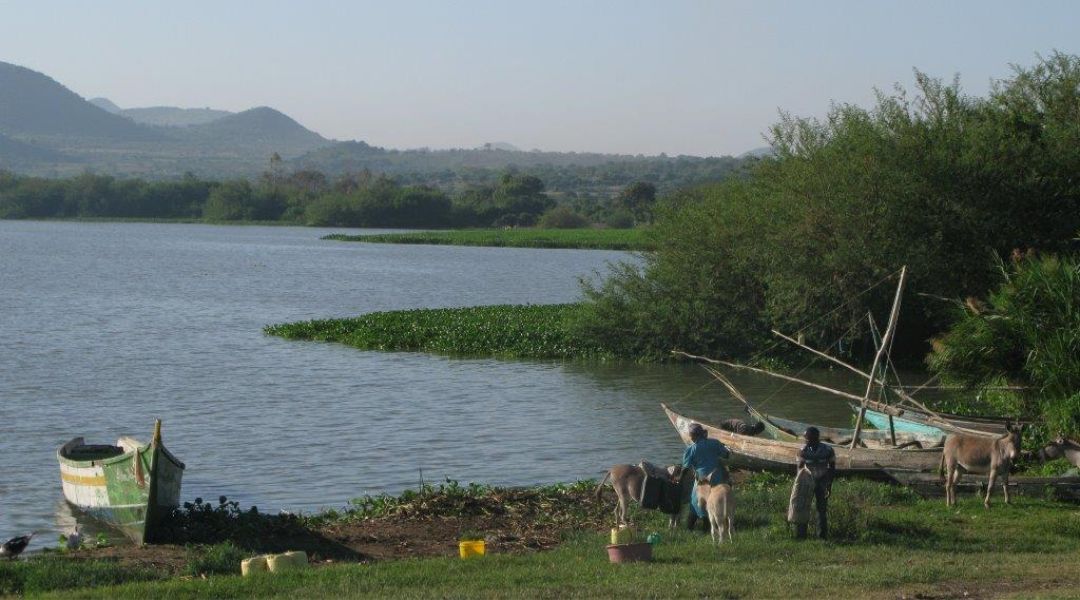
<point>1026,334</point>
<point>563,217</point>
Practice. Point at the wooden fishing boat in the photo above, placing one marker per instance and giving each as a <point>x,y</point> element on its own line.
<point>778,455</point>
<point>130,486</point>
<point>792,431</point>
<point>911,419</point>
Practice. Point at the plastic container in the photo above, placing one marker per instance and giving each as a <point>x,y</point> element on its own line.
<point>653,539</point>
<point>625,553</point>
<point>289,561</point>
<point>253,565</point>
<point>622,535</point>
<point>472,548</point>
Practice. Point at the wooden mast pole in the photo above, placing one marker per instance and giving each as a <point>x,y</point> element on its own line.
<point>885,339</point>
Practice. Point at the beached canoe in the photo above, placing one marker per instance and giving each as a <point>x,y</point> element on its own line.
<point>776,455</point>
<point>130,486</point>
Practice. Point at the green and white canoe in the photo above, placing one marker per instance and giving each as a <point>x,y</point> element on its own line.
<point>130,486</point>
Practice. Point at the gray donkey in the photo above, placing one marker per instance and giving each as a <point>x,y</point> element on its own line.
<point>628,479</point>
<point>978,454</point>
<point>1061,447</point>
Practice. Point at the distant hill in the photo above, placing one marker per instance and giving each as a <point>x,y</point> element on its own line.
<point>48,129</point>
<point>344,157</point>
<point>105,104</point>
<point>261,129</point>
<point>164,116</point>
<point>15,154</point>
<point>33,104</point>
<point>171,116</point>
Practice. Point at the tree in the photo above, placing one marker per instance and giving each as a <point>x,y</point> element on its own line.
<point>936,180</point>
<point>638,199</point>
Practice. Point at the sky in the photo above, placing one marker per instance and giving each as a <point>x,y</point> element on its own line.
<point>678,77</point>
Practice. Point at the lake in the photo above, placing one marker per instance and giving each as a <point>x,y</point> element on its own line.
<point>108,326</point>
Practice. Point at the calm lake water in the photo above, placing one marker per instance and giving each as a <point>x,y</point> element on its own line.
<point>106,327</point>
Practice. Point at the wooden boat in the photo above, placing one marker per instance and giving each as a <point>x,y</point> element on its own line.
<point>777,455</point>
<point>911,419</point>
<point>130,486</point>
<point>792,431</point>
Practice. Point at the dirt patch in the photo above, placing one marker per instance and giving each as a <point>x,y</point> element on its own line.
<point>510,521</point>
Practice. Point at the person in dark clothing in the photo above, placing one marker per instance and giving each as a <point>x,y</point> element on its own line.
<point>820,459</point>
<point>703,455</point>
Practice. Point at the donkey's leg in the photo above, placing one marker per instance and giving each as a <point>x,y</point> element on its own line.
<point>730,527</point>
<point>990,486</point>
<point>948,484</point>
<point>1005,485</point>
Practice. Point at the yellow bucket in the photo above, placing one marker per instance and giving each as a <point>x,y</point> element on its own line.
<point>471,548</point>
<point>289,561</point>
<point>253,565</point>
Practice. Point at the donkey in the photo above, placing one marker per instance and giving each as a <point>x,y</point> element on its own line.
<point>1061,447</point>
<point>627,481</point>
<point>977,454</point>
<point>718,501</point>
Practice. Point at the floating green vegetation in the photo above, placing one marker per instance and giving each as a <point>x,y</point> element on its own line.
<point>505,331</point>
<point>589,239</point>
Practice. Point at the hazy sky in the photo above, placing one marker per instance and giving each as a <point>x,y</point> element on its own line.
<point>689,77</point>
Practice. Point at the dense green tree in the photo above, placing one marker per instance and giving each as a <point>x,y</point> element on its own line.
<point>638,199</point>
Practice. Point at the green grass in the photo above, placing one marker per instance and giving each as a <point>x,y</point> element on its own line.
<point>592,239</point>
<point>505,331</point>
<point>888,543</point>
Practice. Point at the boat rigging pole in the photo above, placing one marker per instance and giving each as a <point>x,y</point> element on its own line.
<point>885,343</point>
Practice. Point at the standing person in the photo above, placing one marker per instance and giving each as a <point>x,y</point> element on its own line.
<point>820,459</point>
<point>703,455</point>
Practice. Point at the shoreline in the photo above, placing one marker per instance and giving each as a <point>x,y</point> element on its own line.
<point>549,540</point>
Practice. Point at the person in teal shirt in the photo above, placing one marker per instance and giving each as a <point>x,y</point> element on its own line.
<point>703,455</point>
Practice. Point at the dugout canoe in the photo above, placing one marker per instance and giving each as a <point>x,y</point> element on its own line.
<point>757,453</point>
<point>129,485</point>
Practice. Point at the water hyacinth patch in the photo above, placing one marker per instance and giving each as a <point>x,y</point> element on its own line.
<point>506,331</point>
<point>589,239</point>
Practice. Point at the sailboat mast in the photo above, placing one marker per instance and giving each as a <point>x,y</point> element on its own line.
<point>885,339</point>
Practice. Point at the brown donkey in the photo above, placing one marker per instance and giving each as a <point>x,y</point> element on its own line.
<point>977,454</point>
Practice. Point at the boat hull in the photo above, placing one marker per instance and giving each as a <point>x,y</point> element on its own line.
<point>916,420</point>
<point>786,429</point>
<point>754,453</point>
<point>131,492</point>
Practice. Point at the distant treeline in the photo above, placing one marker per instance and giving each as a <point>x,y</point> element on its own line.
<point>312,198</point>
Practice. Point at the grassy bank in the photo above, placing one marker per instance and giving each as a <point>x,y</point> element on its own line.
<point>591,239</point>
<point>887,543</point>
<point>506,331</point>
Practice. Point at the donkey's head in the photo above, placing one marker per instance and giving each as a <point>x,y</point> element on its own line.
<point>1010,442</point>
